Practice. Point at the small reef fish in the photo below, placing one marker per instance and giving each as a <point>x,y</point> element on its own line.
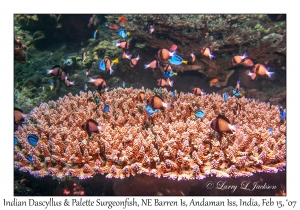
<point>149,110</point>
<point>19,117</point>
<point>173,48</point>
<point>85,87</point>
<point>105,110</point>
<point>252,75</point>
<point>123,19</point>
<point>122,44</point>
<point>96,33</point>
<point>237,109</point>
<point>213,81</point>
<point>170,74</point>
<point>271,130</point>
<point>199,113</point>
<point>134,61</point>
<point>221,124</point>
<point>164,54</point>
<point>98,82</point>
<point>141,96</point>
<point>106,64</point>
<point>33,139</point>
<point>83,56</point>
<point>247,62</point>
<point>156,102</point>
<point>126,56</point>
<point>16,140</point>
<point>88,72</point>
<point>167,67</point>
<point>207,52</point>
<point>163,82</point>
<point>91,126</point>
<point>51,85</point>
<point>90,22</point>
<point>54,71</point>
<point>199,92</point>
<point>225,96</point>
<point>151,28</point>
<point>237,87</point>
<point>237,59</point>
<point>68,82</point>
<point>114,26</point>
<point>193,57</point>
<point>153,64</point>
<point>282,113</point>
<point>261,69</point>
<point>69,61</point>
<point>123,84</point>
<point>123,33</point>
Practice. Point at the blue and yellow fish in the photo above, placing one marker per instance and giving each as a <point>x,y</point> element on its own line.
<point>123,33</point>
<point>33,139</point>
<point>95,34</point>
<point>51,85</point>
<point>16,140</point>
<point>170,74</point>
<point>85,87</point>
<point>225,96</point>
<point>69,61</point>
<point>105,110</point>
<point>198,113</point>
<point>149,110</point>
<point>282,113</point>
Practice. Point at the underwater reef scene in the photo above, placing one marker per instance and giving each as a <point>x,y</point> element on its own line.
<point>150,104</point>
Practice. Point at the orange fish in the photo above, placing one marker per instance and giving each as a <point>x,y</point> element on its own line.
<point>91,126</point>
<point>98,82</point>
<point>163,82</point>
<point>237,59</point>
<point>167,67</point>
<point>207,52</point>
<point>164,54</point>
<point>156,102</point>
<point>134,61</point>
<point>260,69</point>
<point>222,125</point>
<point>193,57</point>
<point>69,82</point>
<point>123,19</point>
<point>114,26</point>
<point>126,56</point>
<point>213,81</point>
<point>247,62</point>
<point>19,118</point>
<point>198,91</point>
<point>141,96</point>
<point>173,48</point>
<point>252,75</point>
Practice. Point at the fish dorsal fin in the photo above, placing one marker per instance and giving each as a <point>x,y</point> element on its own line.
<point>55,66</point>
<point>223,118</point>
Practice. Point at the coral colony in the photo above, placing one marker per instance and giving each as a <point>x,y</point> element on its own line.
<point>172,143</point>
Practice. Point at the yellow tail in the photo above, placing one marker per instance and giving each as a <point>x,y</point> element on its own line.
<point>175,73</point>
<point>128,33</point>
<point>184,61</point>
<point>116,60</point>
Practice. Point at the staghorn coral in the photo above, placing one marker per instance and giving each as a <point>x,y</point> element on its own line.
<point>171,143</point>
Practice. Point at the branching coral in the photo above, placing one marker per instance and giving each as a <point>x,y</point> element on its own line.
<point>170,143</point>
